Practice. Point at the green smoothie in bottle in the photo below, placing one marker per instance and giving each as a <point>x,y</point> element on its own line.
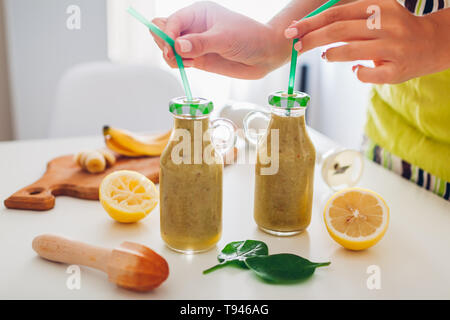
<point>191,180</point>
<point>283,197</point>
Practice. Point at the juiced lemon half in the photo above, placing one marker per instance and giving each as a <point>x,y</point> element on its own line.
<point>128,196</point>
<point>356,218</point>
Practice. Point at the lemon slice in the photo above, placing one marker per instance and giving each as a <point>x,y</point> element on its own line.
<point>128,196</point>
<point>356,218</point>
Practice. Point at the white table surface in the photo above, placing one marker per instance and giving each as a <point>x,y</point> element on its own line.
<point>413,257</point>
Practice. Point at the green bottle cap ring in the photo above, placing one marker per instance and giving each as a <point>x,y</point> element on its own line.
<point>282,99</point>
<point>181,106</point>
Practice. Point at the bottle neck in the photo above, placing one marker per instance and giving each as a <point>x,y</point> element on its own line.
<point>195,128</point>
<point>190,123</point>
<point>284,112</point>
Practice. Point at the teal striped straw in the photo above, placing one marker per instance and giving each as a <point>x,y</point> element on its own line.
<point>320,9</point>
<point>171,42</point>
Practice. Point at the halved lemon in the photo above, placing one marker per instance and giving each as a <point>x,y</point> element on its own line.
<point>128,196</point>
<point>356,218</point>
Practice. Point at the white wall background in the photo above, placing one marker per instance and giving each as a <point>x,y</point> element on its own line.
<point>343,101</point>
<point>41,48</point>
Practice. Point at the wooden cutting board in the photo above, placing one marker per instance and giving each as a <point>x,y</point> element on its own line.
<point>65,178</point>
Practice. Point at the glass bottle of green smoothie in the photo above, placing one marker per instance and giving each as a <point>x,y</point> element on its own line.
<point>191,177</point>
<point>284,171</point>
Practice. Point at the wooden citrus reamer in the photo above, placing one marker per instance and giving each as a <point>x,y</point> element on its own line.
<point>131,265</point>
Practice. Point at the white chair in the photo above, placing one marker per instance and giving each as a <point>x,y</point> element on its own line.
<point>132,97</point>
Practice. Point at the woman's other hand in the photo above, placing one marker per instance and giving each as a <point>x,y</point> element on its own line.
<point>402,46</point>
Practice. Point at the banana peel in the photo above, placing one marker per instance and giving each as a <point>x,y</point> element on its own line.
<point>113,146</point>
<point>132,145</point>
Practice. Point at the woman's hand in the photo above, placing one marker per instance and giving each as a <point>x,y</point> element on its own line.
<point>403,47</point>
<point>213,38</point>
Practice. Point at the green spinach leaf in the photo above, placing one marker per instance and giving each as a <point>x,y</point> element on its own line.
<point>235,253</point>
<point>283,267</point>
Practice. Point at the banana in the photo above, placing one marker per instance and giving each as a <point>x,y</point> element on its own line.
<point>95,161</point>
<point>109,157</point>
<point>163,136</point>
<point>151,145</point>
<point>79,158</point>
<point>112,145</point>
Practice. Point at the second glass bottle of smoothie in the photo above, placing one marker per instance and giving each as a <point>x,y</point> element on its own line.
<point>283,200</point>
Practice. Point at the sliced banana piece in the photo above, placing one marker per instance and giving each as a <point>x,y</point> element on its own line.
<point>80,157</point>
<point>109,157</point>
<point>95,162</point>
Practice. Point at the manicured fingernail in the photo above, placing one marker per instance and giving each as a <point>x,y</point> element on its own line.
<point>185,45</point>
<point>298,46</point>
<point>188,63</point>
<point>324,56</point>
<point>166,51</point>
<point>290,32</point>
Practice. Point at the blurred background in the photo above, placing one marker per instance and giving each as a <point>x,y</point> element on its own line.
<point>69,66</point>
